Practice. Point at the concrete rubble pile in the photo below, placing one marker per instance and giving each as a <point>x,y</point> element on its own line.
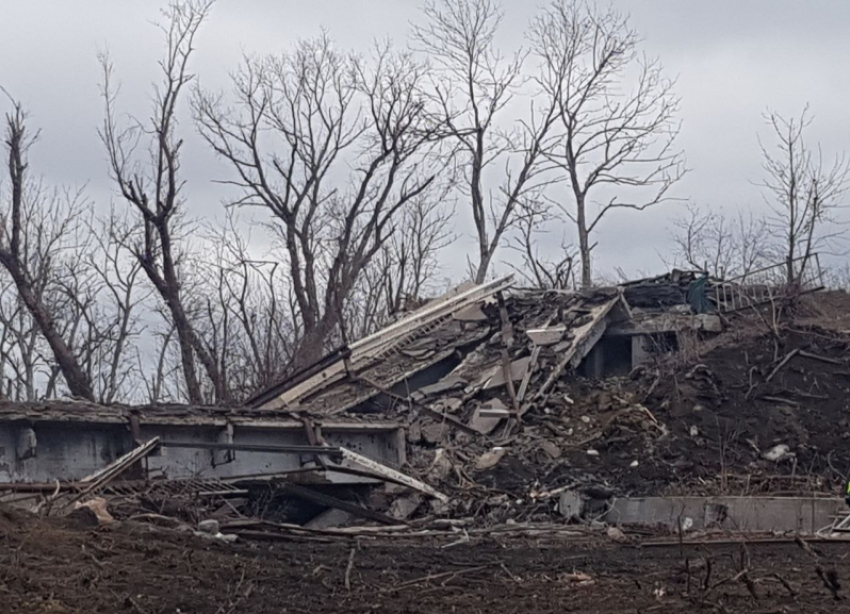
<point>489,406</point>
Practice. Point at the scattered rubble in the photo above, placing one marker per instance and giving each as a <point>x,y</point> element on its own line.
<point>526,407</point>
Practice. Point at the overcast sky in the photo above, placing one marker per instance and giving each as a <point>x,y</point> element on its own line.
<point>732,61</point>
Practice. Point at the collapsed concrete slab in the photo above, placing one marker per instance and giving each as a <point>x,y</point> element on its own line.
<point>804,515</point>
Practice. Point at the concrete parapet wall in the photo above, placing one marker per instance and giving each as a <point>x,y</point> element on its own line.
<point>48,451</point>
<point>805,515</point>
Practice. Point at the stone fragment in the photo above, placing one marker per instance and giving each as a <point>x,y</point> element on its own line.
<point>403,507</point>
<point>209,526</point>
<point>490,459</point>
<point>777,453</point>
<point>551,449</point>
<point>570,505</point>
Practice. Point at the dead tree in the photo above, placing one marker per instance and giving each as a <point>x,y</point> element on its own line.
<point>404,271</point>
<point>153,187</point>
<point>20,363</point>
<point>22,263</point>
<point>241,302</point>
<point>335,150</point>
<point>803,190</point>
<point>471,90</point>
<point>616,136</point>
<point>537,270</point>
<point>723,247</point>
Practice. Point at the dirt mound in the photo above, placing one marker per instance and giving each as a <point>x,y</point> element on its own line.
<point>751,413</point>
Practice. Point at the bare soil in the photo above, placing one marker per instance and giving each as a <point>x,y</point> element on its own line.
<point>58,568</point>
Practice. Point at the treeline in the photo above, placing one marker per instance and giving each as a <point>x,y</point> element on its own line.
<point>359,168</point>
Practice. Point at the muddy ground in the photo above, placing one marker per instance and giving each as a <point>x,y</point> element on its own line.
<point>57,568</point>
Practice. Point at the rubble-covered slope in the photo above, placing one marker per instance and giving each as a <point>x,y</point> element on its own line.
<point>747,412</point>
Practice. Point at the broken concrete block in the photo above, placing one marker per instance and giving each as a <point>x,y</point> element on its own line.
<point>447,384</point>
<point>551,449</point>
<point>490,459</point>
<point>496,376</point>
<point>777,453</point>
<point>486,424</point>
<point>435,433</point>
<point>414,432</point>
<point>694,431</point>
<point>563,346</point>
<point>403,507</point>
<point>209,526</point>
<point>546,336</point>
<point>570,505</point>
<point>473,313</point>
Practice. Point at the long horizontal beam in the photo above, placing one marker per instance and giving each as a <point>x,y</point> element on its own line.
<point>249,447</point>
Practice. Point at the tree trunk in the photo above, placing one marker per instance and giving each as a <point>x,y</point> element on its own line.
<point>187,355</point>
<point>77,381</point>
<point>583,243</point>
<point>483,266</point>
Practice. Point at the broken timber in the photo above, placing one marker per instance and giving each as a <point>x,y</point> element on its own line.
<point>101,478</point>
<point>393,475</point>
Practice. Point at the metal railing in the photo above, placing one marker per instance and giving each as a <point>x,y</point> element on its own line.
<point>769,284</point>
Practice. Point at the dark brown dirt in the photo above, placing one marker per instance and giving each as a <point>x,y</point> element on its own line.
<point>49,568</point>
<point>699,424</point>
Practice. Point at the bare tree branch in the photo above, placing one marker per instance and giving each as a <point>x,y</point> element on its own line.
<point>613,139</point>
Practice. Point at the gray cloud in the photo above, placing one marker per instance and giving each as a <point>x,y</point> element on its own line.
<point>732,61</point>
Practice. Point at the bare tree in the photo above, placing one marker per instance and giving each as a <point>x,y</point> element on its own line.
<point>242,309</point>
<point>537,270</point>
<point>723,247</point>
<point>803,190</point>
<point>26,256</point>
<point>616,113</point>
<point>472,87</point>
<point>403,272</point>
<point>153,187</point>
<point>19,339</point>
<point>335,150</point>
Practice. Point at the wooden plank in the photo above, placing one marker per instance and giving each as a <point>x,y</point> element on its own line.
<point>122,462</point>
<point>393,475</point>
<point>101,478</point>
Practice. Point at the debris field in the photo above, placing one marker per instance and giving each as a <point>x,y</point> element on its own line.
<point>506,405</point>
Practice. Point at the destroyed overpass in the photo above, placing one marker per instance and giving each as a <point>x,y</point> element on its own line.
<point>499,354</point>
<point>490,402</point>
